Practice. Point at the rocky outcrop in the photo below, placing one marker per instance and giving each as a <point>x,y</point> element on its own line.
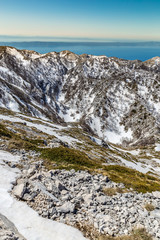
<point>8,231</point>
<point>78,197</point>
<point>109,96</point>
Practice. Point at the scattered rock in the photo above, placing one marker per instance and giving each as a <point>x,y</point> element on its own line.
<point>66,208</point>
<point>8,231</point>
<point>73,197</point>
<point>19,190</point>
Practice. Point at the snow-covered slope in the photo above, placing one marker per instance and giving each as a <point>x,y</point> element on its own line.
<point>116,99</point>
<point>27,221</point>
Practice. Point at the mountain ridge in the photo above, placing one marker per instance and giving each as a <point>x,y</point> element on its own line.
<point>111,97</point>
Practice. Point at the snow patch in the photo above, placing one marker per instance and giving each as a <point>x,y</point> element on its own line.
<point>13,106</point>
<point>26,220</point>
<point>52,130</point>
<point>137,166</point>
<point>70,115</point>
<point>95,124</point>
<point>96,140</point>
<point>15,53</point>
<point>157,148</point>
<point>133,152</point>
<point>117,138</point>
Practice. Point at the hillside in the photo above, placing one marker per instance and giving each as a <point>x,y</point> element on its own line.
<point>116,99</point>
<point>79,144</point>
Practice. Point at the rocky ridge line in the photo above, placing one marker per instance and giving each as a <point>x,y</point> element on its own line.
<point>102,94</point>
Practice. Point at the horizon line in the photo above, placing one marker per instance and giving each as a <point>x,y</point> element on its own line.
<point>23,38</point>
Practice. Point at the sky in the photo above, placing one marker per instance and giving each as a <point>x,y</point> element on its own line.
<point>83,19</point>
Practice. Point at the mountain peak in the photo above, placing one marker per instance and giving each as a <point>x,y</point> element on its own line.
<point>105,95</point>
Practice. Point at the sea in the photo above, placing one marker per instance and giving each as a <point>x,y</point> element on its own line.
<point>125,50</point>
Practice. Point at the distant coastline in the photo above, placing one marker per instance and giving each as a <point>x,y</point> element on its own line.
<point>126,50</point>
<point>104,43</point>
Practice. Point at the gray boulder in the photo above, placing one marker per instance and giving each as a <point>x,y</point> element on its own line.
<point>19,190</point>
<point>66,208</point>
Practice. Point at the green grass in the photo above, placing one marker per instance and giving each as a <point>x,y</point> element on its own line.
<point>17,141</point>
<point>68,158</point>
<point>4,132</point>
<point>132,179</point>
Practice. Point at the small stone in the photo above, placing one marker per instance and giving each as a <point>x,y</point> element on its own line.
<point>132,220</point>
<point>59,185</point>
<point>156,194</point>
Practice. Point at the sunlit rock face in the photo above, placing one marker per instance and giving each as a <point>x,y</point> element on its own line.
<point>116,99</point>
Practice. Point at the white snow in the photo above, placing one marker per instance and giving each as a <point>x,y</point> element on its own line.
<point>13,106</point>
<point>70,115</point>
<point>98,57</point>
<point>41,127</point>
<point>96,140</point>
<point>35,56</point>
<point>135,165</point>
<point>157,107</point>
<point>156,160</point>
<point>141,167</point>
<point>96,125</point>
<point>133,152</point>
<point>15,53</point>
<point>26,220</point>
<point>117,138</point>
<point>155,59</point>
<point>112,137</point>
<point>56,126</point>
<point>157,148</point>
<point>142,90</point>
<point>3,69</point>
<point>8,156</point>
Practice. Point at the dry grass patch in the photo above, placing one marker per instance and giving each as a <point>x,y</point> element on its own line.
<point>6,111</point>
<point>114,191</point>
<point>4,132</point>
<point>136,234</point>
<point>132,179</point>
<point>149,207</point>
<point>67,158</point>
<point>93,234</point>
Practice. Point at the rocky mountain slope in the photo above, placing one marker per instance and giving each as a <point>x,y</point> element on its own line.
<point>67,175</point>
<point>115,99</point>
<point>54,174</point>
<point>79,145</point>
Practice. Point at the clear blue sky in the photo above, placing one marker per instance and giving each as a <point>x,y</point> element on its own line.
<point>109,19</point>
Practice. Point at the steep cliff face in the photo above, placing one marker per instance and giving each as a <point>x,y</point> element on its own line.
<point>118,100</point>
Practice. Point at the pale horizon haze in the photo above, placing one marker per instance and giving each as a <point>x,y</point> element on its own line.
<point>85,19</point>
